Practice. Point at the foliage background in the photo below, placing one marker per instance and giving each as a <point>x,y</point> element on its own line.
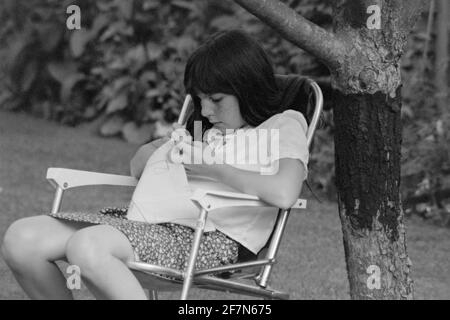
<point>124,69</point>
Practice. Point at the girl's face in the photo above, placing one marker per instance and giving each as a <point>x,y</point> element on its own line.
<point>222,110</point>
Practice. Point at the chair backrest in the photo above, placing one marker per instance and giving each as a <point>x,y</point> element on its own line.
<point>306,95</point>
<point>313,110</point>
<point>318,107</point>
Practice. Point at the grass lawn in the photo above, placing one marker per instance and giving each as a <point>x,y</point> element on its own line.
<point>311,264</point>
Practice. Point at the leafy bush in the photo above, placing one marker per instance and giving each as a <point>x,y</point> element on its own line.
<point>125,66</point>
<point>126,63</point>
<point>426,148</point>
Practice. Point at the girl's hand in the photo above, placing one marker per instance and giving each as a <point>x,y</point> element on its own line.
<point>175,127</point>
<point>192,159</point>
<point>139,160</point>
<point>204,170</point>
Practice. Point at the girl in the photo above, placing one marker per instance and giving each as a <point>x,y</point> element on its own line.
<point>233,86</point>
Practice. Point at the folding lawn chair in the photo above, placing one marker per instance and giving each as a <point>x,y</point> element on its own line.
<point>244,277</point>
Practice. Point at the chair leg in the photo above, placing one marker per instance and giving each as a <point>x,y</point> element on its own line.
<point>153,295</point>
<point>189,273</point>
<point>57,200</point>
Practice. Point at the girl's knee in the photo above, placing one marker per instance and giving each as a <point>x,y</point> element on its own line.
<point>86,251</point>
<point>21,241</point>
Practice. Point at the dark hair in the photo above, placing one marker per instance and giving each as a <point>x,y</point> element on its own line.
<point>232,62</point>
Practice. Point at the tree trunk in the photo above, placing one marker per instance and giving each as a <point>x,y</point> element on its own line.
<point>368,140</point>
<point>364,62</point>
<point>367,103</point>
<point>441,63</point>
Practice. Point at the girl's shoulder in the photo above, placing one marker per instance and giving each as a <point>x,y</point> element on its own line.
<point>286,120</point>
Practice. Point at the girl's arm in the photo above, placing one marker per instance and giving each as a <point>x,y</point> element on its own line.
<point>281,189</point>
<point>137,164</point>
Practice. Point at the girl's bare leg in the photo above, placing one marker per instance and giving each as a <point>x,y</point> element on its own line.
<point>101,252</point>
<point>30,247</point>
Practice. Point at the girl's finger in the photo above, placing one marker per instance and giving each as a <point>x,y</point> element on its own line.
<point>176,155</point>
<point>175,126</point>
<point>179,135</point>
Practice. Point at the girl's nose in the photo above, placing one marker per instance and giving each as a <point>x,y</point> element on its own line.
<point>207,108</point>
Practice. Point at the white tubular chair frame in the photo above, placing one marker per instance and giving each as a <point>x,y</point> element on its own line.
<point>206,200</point>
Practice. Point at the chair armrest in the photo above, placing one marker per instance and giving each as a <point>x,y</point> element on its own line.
<point>213,199</point>
<point>69,178</point>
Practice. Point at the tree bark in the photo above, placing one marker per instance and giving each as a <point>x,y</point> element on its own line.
<point>368,140</point>
<point>296,29</point>
<point>367,103</point>
<point>365,74</point>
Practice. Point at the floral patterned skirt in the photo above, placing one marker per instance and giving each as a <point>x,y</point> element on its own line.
<point>165,244</point>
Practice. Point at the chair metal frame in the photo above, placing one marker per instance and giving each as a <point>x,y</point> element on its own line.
<point>161,278</point>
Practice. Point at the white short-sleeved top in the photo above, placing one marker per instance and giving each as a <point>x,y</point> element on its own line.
<point>249,226</point>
